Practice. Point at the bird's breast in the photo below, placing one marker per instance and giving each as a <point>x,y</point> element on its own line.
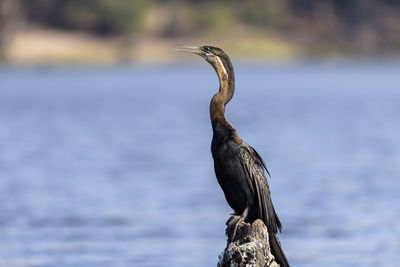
<point>230,175</point>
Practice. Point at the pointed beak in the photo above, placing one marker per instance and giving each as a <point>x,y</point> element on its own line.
<point>190,49</point>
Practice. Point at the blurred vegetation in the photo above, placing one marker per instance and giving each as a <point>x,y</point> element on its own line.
<point>97,16</point>
<point>318,26</point>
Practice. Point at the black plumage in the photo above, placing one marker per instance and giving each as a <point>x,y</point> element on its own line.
<point>238,167</point>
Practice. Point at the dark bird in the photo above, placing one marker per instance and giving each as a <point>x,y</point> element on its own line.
<point>238,167</point>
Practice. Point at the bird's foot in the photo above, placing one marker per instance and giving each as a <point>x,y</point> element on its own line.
<point>232,225</point>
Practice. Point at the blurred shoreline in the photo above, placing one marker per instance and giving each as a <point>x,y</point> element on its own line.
<point>145,32</point>
<point>40,45</point>
<point>36,45</point>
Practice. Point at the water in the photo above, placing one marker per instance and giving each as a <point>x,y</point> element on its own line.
<point>110,166</point>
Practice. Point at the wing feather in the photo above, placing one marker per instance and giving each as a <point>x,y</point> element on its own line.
<point>253,166</point>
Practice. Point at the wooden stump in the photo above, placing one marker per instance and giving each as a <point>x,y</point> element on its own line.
<point>249,248</point>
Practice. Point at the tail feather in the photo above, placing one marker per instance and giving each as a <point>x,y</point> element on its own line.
<point>277,251</point>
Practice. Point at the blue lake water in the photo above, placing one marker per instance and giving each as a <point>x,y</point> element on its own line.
<point>111,166</point>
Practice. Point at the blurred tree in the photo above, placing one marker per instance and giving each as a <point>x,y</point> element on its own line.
<point>260,12</point>
<point>98,16</point>
<point>10,18</point>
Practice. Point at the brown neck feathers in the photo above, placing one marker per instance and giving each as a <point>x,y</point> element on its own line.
<point>225,93</point>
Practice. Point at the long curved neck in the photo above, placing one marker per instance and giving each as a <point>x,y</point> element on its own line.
<point>223,96</point>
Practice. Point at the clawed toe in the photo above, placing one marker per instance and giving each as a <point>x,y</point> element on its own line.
<point>232,225</point>
<point>233,222</point>
<point>234,218</point>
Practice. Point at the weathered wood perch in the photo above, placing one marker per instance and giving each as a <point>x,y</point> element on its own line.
<point>249,248</point>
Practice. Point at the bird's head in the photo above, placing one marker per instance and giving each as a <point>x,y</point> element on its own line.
<point>213,55</point>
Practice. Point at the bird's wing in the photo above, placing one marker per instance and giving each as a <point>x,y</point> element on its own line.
<point>253,166</point>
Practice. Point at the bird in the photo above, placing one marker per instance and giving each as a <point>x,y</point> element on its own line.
<point>239,169</point>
